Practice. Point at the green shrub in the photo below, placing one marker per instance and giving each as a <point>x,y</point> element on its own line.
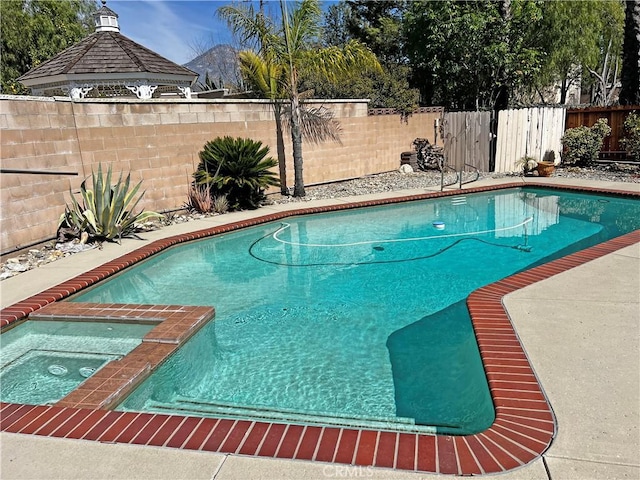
<point>106,211</point>
<point>631,140</point>
<point>238,169</point>
<point>582,144</point>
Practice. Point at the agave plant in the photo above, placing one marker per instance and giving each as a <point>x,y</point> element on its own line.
<point>106,211</point>
<point>241,171</point>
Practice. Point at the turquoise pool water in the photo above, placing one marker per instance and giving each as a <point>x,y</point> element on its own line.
<point>354,317</point>
<point>43,361</point>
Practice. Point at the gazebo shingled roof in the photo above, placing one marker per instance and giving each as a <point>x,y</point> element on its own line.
<point>105,60</point>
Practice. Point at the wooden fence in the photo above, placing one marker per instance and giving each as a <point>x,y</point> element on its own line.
<point>612,149</point>
<point>528,132</point>
<point>467,137</point>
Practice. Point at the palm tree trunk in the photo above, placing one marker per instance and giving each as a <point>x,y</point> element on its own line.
<point>282,160</point>
<point>296,137</point>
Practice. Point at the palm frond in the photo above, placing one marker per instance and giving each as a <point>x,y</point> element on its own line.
<point>265,76</point>
<point>318,124</point>
<point>247,24</point>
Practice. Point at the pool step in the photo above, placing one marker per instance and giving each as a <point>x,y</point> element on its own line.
<point>224,409</point>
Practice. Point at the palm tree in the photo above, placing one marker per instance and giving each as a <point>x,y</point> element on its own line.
<point>262,76</point>
<point>283,55</point>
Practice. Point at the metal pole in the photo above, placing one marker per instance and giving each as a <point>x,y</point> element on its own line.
<point>35,172</point>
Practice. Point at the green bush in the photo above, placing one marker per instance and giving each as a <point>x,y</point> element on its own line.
<point>631,140</point>
<point>582,144</point>
<point>238,169</point>
<point>106,211</point>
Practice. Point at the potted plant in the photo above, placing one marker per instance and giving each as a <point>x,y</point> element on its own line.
<point>547,165</point>
<point>526,164</point>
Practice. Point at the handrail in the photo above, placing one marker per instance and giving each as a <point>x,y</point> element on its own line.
<point>35,172</point>
<point>442,170</point>
<point>469,181</point>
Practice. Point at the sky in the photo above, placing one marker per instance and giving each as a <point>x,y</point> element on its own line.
<point>176,29</point>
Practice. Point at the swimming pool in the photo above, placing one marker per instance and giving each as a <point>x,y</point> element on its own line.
<point>338,325</point>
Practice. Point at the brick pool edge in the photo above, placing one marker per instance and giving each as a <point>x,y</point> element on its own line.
<point>523,429</point>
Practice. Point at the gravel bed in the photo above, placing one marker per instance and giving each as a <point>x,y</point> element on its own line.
<point>385,182</point>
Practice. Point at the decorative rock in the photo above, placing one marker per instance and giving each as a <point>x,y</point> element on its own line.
<point>17,267</point>
<point>406,168</point>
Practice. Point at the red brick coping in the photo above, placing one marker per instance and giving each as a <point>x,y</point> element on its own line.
<point>523,429</point>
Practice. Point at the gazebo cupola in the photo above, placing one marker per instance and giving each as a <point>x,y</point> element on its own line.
<point>108,64</point>
<point>106,20</point>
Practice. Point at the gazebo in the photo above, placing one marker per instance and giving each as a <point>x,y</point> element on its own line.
<point>107,64</point>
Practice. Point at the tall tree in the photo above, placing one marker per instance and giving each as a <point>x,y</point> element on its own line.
<point>630,77</point>
<point>570,36</point>
<point>336,24</point>
<point>35,30</point>
<point>387,88</point>
<point>605,73</point>
<point>294,49</point>
<point>471,55</point>
<point>379,25</point>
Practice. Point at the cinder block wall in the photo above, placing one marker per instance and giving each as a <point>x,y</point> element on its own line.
<point>158,142</point>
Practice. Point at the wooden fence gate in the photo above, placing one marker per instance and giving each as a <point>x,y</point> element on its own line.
<point>467,137</point>
<point>528,132</point>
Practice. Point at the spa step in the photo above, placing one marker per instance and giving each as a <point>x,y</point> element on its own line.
<point>224,409</point>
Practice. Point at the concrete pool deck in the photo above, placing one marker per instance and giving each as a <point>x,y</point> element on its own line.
<point>582,340</point>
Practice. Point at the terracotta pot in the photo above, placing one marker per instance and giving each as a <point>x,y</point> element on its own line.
<point>546,169</point>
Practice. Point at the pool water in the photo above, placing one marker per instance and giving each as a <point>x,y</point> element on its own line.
<point>43,361</point>
<point>355,317</point>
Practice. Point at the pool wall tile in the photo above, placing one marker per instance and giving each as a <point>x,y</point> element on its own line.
<point>160,435</point>
<point>290,441</point>
<point>218,435</point>
<point>254,439</point>
<point>467,462</point>
<point>184,432</point>
<point>366,449</point>
<point>201,434</point>
<point>427,453</point>
<point>524,426</point>
<point>386,452</point>
<point>447,457</point>
<point>328,444</point>
<point>83,427</point>
<point>112,431</point>
<point>100,426</point>
<point>38,419</point>
<point>144,434</point>
<point>272,440</point>
<point>236,436</point>
<point>308,443</point>
<point>134,428</point>
<point>346,446</point>
<point>504,460</point>
<point>406,454</point>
